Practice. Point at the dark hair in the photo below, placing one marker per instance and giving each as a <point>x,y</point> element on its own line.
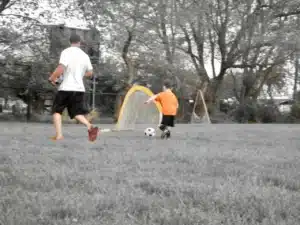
<point>74,38</point>
<point>167,83</point>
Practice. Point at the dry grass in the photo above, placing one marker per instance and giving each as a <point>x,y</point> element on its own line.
<point>223,174</point>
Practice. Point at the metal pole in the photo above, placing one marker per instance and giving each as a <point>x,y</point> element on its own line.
<point>94,80</point>
<point>295,78</point>
<point>297,67</point>
<point>94,91</point>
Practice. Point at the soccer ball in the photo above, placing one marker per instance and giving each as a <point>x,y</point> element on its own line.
<point>150,132</point>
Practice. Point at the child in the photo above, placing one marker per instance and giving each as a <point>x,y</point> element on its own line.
<point>169,104</point>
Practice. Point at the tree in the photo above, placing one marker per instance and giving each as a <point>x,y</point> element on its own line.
<point>24,49</point>
<point>247,36</point>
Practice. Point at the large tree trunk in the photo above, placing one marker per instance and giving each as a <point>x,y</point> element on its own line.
<point>212,91</point>
<point>119,101</point>
<point>131,72</point>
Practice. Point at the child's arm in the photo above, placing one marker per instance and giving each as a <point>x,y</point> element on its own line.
<point>151,99</point>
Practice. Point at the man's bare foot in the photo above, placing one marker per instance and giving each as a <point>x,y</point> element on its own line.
<point>57,138</point>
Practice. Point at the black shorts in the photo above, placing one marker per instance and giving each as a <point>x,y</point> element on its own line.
<point>72,100</point>
<point>168,120</point>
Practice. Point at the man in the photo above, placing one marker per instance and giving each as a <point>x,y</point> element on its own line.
<point>74,65</point>
<point>169,104</point>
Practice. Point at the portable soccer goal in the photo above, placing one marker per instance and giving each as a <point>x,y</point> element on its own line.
<point>134,112</point>
<point>200,112</point>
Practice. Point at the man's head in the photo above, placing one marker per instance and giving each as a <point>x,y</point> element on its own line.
<point>167,85</point>
<point>75,39</point>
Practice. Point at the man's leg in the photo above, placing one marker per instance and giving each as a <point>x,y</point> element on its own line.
<point>58,107</point>
<point>82,119</point>
<point>58,126</point>
<point>92,131</point>
<point>77,110</point>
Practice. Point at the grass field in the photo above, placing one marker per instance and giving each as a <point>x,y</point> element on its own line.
<point>210,175</point>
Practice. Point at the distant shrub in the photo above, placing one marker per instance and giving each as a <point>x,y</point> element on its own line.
<point>18,109</point>
<point>268,114</point>
<point>295,111</point>
<point>251,112</point>
<point>246,113</point>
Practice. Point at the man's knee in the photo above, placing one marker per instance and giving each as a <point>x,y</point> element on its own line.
<point>57,109</point>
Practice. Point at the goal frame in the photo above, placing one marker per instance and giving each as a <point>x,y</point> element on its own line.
<point>130,92</point>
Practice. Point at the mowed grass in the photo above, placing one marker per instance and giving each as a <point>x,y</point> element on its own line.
<point>207,174</point>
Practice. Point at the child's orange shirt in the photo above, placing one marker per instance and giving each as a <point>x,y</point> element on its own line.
<point>168,101</point>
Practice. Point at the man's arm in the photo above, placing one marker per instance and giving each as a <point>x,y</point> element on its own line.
<point>89,71</point>
<point>60,69</point>
<point>57,73</point>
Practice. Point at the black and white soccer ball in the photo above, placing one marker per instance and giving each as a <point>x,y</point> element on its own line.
<point>150,132</point>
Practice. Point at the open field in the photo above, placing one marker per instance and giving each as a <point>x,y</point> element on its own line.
<point>207,174</point>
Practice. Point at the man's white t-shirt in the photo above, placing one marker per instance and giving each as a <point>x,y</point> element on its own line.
<point>76,63</point>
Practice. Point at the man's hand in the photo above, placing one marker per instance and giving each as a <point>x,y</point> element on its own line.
<point>89,73</point>
<point>51,81</point>
<point>56,74</point>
